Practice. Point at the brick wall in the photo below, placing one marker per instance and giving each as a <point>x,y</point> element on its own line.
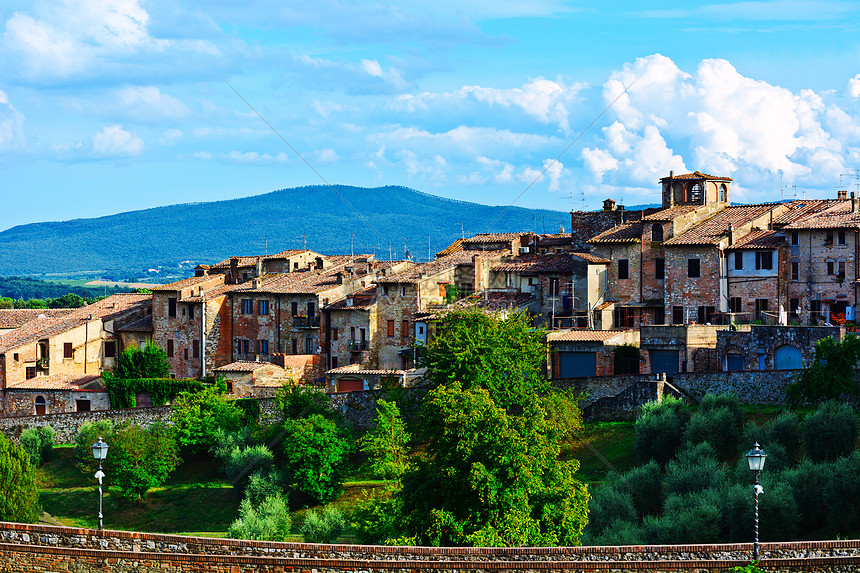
<point>48,548</point>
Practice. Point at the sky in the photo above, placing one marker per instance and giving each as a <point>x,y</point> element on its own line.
<point>115,105</point>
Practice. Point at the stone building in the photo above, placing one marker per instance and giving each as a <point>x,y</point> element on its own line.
<point>252,379</point>
<point>576,353</point>
<point>352,329</point>
<point>12,318</point>
<point>65,352</point>
<point>763,347</point>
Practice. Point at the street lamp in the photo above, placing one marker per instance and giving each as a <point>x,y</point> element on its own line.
<point>755,458</point>
<point>100,449</point>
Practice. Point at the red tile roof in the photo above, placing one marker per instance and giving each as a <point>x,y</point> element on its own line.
<point>76,382</point>
<point>250,261</point>
<point>140,325</point>
<point>626,233</point>
<point>759,240</point>
<point>798,210</point>
<point>454,247</point>
<point>430,268</point>
<point>245,366</point>
<point>17,317</point>
<point>357,369</point>
<point>836,216</point>
<point>582,335</point>
<point>550,263</point>
<point>492,238</point>
<point>671,213</point>
<point>696,175</point>
<point>594,259</point>
<point>361,300</point>
<point>184,283</point>
<point>715,228</point>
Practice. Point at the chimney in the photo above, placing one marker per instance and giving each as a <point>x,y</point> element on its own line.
<point>259,266</point>
<point>842,194</point>
<point>561,230</point>
<point>671,175</point>
<point>234,270</point>
<point>853,203</point>
<point>201,271</point>
<point>339,278</point>
<point>731,233</point>
<point>608,205</point>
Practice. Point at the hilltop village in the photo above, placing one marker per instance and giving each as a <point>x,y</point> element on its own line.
<point>698,285</point>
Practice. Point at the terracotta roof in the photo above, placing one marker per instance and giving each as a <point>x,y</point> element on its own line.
<point>179,285</point>
<point>605,304</point>
<point>713,229</point>
<point>759,240</point>
<point>454,247</point>
<point>696,175</point>
<point>357,369</point>
<point>554,240</point>
<point>16,317</point>
<point>497,300</point>
<point>626,233</point>
<point>211,293</point>
<point>836,216</point>
<point>537,264</point>
<point>594,259</point>
<point>361,300</point>
<point>76,382</point>
<point>582,335</point>
<point>286,254</point>
<point>671,213</point>
<point>492,238</point>
<point>104,309</point>
<point>245,366</point>
<point>140,325</point>
<point>797,210</point>
<point>430,268</point>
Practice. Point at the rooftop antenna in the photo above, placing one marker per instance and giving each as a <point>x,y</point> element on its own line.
<point>462,232</point>
<point>408,254</point>
<point>390,258</point>
<point>850,178</point>
<point>781,188</point>
<point>429,251</point>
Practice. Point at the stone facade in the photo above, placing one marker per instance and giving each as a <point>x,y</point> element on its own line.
<point>758,345</point>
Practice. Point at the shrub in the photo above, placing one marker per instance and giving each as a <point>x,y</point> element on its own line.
<point>376,519</point>
<point>696,469</point>
<point>385,445</point>
<point>39,443</point>
<point>808,481</point>
<point>151,362</point>
<point>88,434</point>
<point>689,518</point>
<point>717,426</point>
<point>197,417</point>
<point>243,462</point>
<point>729,401</point>
<point>777,509</point>
<point>645,486</point>
<point>563,413</point>
<point>300,401</point>
<point>608,506</point>
<point>268,521</point>
<point>325,527</point>
<point>785,430</point>
<point>619,532</point>
<point>141,458</point>
<point>316,452</point>
<point>19,497</point>
<point>659,430</point>
<point>830,431</point>
<point>264,483</point>
<point>842,494</point>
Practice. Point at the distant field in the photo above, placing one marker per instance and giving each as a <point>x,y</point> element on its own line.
<point>120,284</point>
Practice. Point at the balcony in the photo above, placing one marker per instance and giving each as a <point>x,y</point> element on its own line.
<point>357,345</point>
<point>300,321</point>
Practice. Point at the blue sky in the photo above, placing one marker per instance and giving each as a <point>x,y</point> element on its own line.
<point>114,105</point>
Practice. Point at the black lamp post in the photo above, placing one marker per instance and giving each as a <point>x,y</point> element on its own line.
<point>100,450</point>
<point>756,458</point>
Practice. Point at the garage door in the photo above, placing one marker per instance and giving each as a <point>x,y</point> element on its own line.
<point>664,361</point>
<point>787,357</point>
<point>735,363</point>
<point>350,385</point>
<point>575,364</point>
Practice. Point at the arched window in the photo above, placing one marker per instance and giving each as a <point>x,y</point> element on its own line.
<point>724,193</point>
<point>41,406</point>
<point>696,193</point>
<point>657,232</point>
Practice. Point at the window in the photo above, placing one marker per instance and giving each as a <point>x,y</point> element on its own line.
<point>110,348</point>
<point>295,346</point>
<point>442,285</point>
<point>30,373</point>
<point>170,348</point>
<point>229,386</point>
<point>242,346</point>
<point>352,333</point>
<point>840,236</point>
<point>195,348</point>
<point>390,328</point>
<point>761,306</point>
<point>190,311</point>
<point>724,193</point>
<point>623,269</point>
<point>693,268</point>
<point>41,406</point>
<point>677,315</point>
<point>795,270</point>
<point>764,260</point>
<point>15,357</point>
<point>263,307</point>
<point>840,270</point>
<point>739,260</point>
<point>334,333</point>
<point>171,306</point>
<point>185,353</point>
<point>793,305</point>
<point>385,290</point>
<point>82,405</point>
<point>68,350</point>
<point>831,268</point>
<point>656,232</point>
<point>625,316</point>
<point>247,306</point>
<point>659,316</point>
<point>696,193</point>
<point>735,304</point>
<point>403,290</point>
<point>706,314</point>
<point>309,345</point>
<point>311,309</point>
<point>404,329</point>
<point>334,361</point>
<point>659,268</point>
<point>794,238</point>
<point>262,347</point>
<point>828,238</point>
<point>294,308</point>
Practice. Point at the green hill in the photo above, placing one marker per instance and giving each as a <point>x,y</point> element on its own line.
<point>316,216</point>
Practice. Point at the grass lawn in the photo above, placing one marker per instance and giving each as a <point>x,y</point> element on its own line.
<point>603,447</point>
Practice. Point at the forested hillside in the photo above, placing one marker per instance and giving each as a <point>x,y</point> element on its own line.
<point>317,217</point>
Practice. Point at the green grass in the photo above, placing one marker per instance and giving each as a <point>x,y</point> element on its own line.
<point>602,447</point>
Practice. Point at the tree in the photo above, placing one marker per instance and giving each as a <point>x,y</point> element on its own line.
<point>831,373</point>
<point>491,479</point>
<point>39,443</point>
<point>385,444</point>
<point>68,300</point>
<point>151,362</point>
<point>268,521</point>
<point>19,497</point>
<point>300,401</point>
<point>323,527</point>
<point>477,349</point>
<point>660,430</point>
<point>316,452</point>
<point>88,434</point>
<point>141,458</point>
<point>198,416</point>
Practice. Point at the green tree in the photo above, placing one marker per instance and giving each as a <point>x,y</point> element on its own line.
<point>385,444</point>
<point>268,521</point>
<point>660,430</point>
<point>324,527</point>
<point>830,432</point>
<point>831,373</point>
<point>39,443</point>
<point>68,300</point>
<point>133,363</point>
<point>490,478</point>
<point>198,416</point>
<point>477,349</point>
<point>316,452</point>
<point>140,459</point>
<point>301,401</point>
<point>19,497</point>
<point>88,434</point>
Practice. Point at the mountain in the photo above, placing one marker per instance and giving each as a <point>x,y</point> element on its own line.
<point>333,220</point>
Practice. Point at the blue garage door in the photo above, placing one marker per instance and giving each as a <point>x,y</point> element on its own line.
<point>787,357</point>
<point>575,364</point>
<point>734,363</point>
<point>664,361</point>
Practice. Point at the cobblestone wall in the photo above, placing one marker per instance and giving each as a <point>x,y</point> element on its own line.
<point>66,424</point>
<point>48,548</point>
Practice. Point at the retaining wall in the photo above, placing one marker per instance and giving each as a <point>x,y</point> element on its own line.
<point>26,547</point>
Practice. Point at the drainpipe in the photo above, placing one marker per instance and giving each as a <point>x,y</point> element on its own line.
<point>203,340</point>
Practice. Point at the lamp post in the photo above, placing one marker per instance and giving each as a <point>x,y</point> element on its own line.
<point>756,458</point>
<point>100,449</point>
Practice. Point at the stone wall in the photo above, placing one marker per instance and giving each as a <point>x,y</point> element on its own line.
<point>48,548</point>
<point>66,424</point>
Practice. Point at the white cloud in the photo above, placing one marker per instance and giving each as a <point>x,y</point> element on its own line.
<point>854,86</point>
<point>148,102</point>
<point>114,141</point>
<point>11,123</point>
<point>237,156</point>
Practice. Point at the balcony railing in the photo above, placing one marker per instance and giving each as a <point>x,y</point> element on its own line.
<point>357,345</point>
<point>306,321</point>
